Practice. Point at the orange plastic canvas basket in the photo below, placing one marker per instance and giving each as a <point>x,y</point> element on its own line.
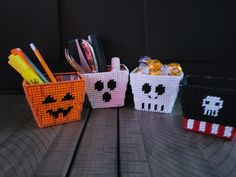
<point>56,103</point>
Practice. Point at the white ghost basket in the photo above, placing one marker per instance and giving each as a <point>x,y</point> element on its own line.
<point>154,93</point>
<point>107,89</point>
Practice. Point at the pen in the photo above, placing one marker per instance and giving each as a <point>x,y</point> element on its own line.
<point>43,63</point>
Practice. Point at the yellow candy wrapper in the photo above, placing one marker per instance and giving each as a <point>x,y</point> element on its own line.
<point>175,69</point>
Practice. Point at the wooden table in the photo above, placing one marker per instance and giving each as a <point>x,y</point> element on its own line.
<point>107,143</point>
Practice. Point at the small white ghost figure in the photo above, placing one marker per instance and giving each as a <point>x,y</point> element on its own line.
<point>212,105</point>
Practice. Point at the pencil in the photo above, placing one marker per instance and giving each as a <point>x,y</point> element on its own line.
<point>43,63</point>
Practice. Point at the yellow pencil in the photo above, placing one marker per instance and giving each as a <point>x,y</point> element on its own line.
<point>43,63</point>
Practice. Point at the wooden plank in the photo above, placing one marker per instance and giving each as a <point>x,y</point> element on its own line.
<point>159,143</point>
<point>22,143</point>
<point>57,160</point>
<point>171,151</point>
<point>133,160</point>
<point>26,150</point>
<point>97,153</point>
<point>220,153</point>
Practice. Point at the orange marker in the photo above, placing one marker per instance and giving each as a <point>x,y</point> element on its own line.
<point>43,63</point>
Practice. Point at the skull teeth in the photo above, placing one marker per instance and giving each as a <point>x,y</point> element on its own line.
<point>151,107</point>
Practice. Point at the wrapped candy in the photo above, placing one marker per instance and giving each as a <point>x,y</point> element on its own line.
<point>144,59</point>
<point>155,73</point>
<point>175,69</point>
<point>154,67</point>
<point>165,70</point>
<point>143,67</point>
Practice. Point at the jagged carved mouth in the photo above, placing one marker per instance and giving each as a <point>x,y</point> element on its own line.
<point>56,113</point>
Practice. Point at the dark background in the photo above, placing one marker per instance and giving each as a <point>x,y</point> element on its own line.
<point>200,35</point>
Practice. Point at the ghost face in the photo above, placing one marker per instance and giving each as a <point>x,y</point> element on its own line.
<point>106,95</point>
<point>106,89</point>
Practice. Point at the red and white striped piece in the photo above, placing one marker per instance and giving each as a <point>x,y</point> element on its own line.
<point>209,128</point>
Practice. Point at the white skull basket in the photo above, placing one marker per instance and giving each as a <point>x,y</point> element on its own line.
<point>154,93</point>
<point>107,89</point>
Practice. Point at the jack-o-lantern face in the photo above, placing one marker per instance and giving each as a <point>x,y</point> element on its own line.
<point>64,111</point>
<point>56,103</point>
<point>59,105</point>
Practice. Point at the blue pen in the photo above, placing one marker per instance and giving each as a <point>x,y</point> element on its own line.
<point>35,67</point>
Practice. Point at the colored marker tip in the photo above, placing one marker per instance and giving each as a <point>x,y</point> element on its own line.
<point>32,46</point>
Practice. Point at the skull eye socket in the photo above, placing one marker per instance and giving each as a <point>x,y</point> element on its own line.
<point>111,84</point>
<point>160,89</point>
<point>146,88</point>
<point>207,102</point>
<point>99,86</point>
<point>49,99</point>
<point>68,96</point>
<point>217,104</point>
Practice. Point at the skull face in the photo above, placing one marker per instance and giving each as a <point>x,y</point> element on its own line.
<point>153,93</point>
<point>111,85</point>
<point>212,105</point>
<point>150,96</point>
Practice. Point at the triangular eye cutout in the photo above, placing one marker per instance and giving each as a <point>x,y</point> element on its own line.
<point>160,89</point>
<point>49,99</point>
<point>68,96</point>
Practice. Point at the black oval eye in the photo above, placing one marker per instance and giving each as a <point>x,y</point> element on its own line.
<point>146,88</point>
<point>111,84</point>
<point>99,85</point>
<point>68,96</point>
<point>160,89</point>
<point>49,99</point>
<point>207,102</point>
